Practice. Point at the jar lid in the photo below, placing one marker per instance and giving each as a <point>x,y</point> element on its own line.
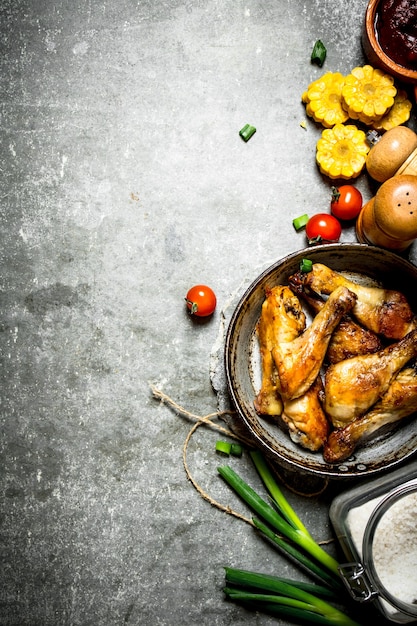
<point>386,545</point>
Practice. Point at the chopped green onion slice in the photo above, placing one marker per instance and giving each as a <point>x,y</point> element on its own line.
<point>224,447</point>
<point>318,55</point>
<point>236,449</point>
<point>247,131</point>
<point>306,266</point>
<point>300,222</point>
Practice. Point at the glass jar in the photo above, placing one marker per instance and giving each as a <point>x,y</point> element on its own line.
<point>376,525</point>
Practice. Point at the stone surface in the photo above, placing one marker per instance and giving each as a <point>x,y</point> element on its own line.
<point>124,182</point>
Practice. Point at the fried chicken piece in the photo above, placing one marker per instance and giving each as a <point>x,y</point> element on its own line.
<point>307,423</point>
<point>282,319</point>
<point>352,386</point>
<point>399,401</point>
<point>349,338</point>
<point>298,362</point>
<point>384,311</point>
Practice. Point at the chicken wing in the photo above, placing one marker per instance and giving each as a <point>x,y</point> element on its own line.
<point>307,423</point>
<point>352,386</point>
<point>384,311</point>
<point>349,338</point>
<point>298,361</point>
<point>399,401</point>
<point>282,319</point>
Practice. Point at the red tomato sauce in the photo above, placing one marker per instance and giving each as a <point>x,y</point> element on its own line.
<point>396,30</point>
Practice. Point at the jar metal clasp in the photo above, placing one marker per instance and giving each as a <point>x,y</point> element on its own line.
<point>357,582</point>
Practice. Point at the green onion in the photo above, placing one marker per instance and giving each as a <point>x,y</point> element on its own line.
<point>279,594</point>
<point>247,131</point>
<point>270,483</point>
<point>300,222</point>
<point>308,564</point>
<point>318,55</point>
<point>297,609</point>
<point>306,266</point>
<point>295,600</point>
<point>260,597</point>
<point>271,583</point>
<point>236,449</point>
<point>279,522</point>
<point>255,502</point>
<point>224,447</point>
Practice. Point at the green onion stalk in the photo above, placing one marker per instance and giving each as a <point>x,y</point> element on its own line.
<point>279,523</point>
<point>295,529</point>
<point>286,598</point>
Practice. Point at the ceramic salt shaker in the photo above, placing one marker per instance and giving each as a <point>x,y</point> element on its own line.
<point>389,219</point>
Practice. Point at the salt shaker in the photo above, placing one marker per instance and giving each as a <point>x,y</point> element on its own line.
<point>389,219</point>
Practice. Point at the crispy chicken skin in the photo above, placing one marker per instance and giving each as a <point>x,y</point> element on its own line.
<point>367,383</point>
<point>349,338</point>
<point>307,423</point>
<point>352,386</point>
<point>399,401</point>
<point>282,319</point>
<point>385,312</point>
<point>298,361</point>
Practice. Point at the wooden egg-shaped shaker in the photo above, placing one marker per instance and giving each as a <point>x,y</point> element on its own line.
<point>394,153</point>
<point>389,219</point>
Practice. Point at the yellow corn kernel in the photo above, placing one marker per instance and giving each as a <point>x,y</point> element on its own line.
<point>398,114</point>
<point>368,94</point>
<point>341,151</point>
<point>323,99</point>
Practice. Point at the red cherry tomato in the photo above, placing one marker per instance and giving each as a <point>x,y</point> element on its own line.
<point>323,228</point>
<point>201,300</point>
<point>346,202</point>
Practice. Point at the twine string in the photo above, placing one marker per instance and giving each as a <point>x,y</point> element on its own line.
<point>206,420</point>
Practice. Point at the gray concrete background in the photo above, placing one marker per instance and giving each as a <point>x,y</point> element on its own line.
<point>124,182</point>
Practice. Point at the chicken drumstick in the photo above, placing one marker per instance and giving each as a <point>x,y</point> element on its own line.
<point>398,402</point>
<point>298,362</point>
<point>349,338</point>
<point>352,386</point>
<point>384,311</point>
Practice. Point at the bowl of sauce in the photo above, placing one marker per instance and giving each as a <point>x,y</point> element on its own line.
<point>390,37</point>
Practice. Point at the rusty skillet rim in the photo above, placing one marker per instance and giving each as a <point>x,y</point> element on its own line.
<point>262,439</point>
